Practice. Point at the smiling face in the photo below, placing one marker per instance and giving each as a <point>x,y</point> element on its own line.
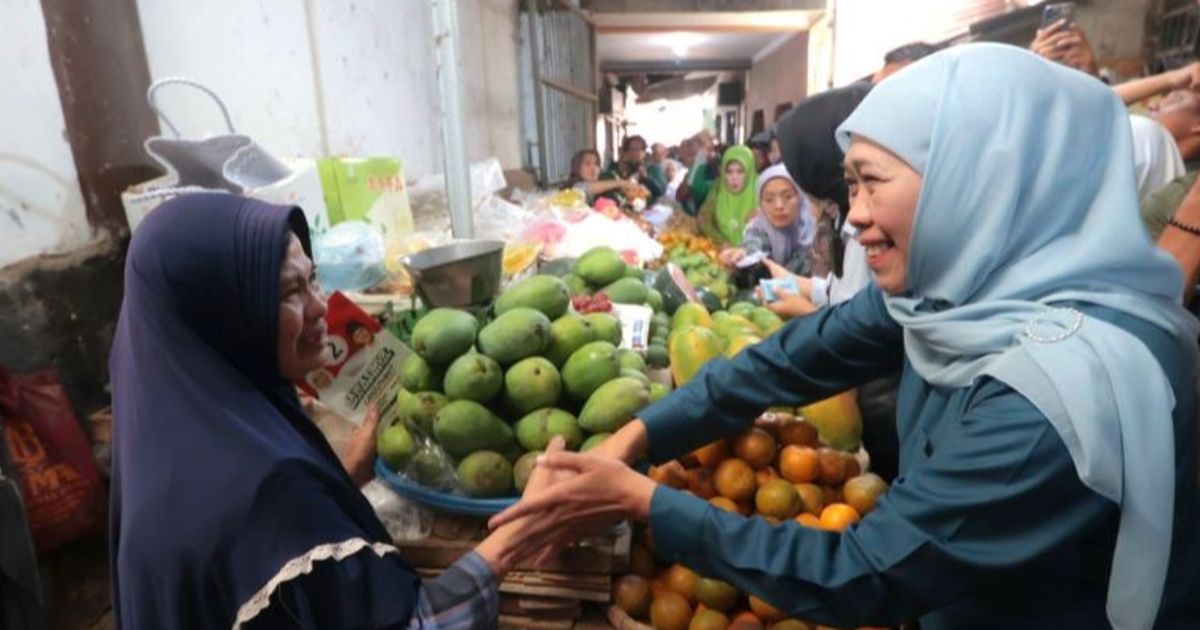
<point>302,339</point>
<point>735,177</point>
<point>884,191</point>
<point>780,202</point>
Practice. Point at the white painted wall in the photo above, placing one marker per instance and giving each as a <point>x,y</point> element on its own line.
<point>302,77</point>
<point>41,207</point>
<point>339,77</point>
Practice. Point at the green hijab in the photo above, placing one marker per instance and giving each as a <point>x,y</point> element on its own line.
<point>733,210</point>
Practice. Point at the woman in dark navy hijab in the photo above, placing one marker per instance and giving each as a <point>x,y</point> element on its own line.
<point>229,508</point>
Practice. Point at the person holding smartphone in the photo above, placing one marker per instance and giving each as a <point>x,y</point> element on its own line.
<point>1060,39</point>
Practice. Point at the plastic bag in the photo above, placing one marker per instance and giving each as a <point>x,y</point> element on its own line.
<point>403,519</point>
<point>350,257</point>
<point>51,459</point>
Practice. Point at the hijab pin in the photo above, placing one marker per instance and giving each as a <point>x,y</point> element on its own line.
<point>1051,319</point>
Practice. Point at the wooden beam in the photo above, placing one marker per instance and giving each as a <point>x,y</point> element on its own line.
<point>569,89</point>
<point>700,28</point>
<point>99,62</point>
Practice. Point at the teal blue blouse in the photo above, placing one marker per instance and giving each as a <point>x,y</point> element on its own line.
<point>987,526</point>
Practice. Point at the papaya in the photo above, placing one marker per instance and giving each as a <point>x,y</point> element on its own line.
<point>837,419</point>
<point>739,343</point>
<point>588,368</point>
<point>548,294</point>
<point>632,271</point>
<point>518,333</point>
<point>568,334</point>
<point>613,404</point>
<point>732,326</point>
<point>443,335</point>
<point>473,376</point>
<point>627,291</point>
<point>657,356</point>
<point>636,375</point>
<point>691,314</point>
<point>690,349</point>
<point>465,426</point>
<point>600,266</point>
<point>531,383</point>
<point>486,474</point>
<point>536,429</point>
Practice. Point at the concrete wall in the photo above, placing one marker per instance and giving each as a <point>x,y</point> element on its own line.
<point>41,207</point>
<point>333,77</point>
<point>779,77</point>
<point>1117,28</point>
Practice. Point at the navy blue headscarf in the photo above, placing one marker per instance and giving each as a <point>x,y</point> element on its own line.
<point>220,480</point>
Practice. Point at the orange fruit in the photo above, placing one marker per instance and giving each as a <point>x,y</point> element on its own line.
<point>746,508</point>
<point>725,504</point>
<point>799,464</point>
<point>700,482</point>
<point>658,586</point>
<point>746,621</point>
<point>735,480</point>
<point>862,491</point>
<point>641,561</point>
<point>709,620</point>
<point>670,611</point>
<point>716,594</point>
<point>832,495</point>
<point>837,517</point>
<point>777,498</point>
<point>712,454</point>
<point>790,624</point>
<point>670,474</point>
<point>763,475</point>
<point>833,467</point>
<point>631,593</point>
<point>683,580</point>
<point>812,498</point>
<point>765,611</point>
<point>756,447</point>
<point>808,520</point>
<point>799,433</point>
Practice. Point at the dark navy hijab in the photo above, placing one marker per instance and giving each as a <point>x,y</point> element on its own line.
<point>219,477</point>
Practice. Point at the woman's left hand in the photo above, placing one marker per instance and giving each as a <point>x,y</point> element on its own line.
<point>599,491</point>
<point>359,457</point>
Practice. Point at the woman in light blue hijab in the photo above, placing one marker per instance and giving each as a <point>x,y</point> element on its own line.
<point>1047,408</point>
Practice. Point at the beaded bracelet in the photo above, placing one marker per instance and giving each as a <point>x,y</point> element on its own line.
<point>1190,229</point>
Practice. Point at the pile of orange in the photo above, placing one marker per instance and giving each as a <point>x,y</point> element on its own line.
<point>778,471</point>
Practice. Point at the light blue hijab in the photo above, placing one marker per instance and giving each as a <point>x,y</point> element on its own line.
<point>1028,199</point>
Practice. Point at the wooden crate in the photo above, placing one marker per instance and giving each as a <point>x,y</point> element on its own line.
<point>549,597</point>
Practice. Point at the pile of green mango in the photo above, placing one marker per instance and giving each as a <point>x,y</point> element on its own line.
<point>494,395</point>
<point>705,275</point>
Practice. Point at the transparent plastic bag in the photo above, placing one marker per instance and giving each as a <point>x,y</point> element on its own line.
<point>403,519</point>
<point>350,257</point>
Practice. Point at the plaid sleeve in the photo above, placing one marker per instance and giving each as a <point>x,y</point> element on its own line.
<point>465,597</point>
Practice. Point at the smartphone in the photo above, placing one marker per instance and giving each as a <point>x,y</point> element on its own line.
<point>1058,11</point>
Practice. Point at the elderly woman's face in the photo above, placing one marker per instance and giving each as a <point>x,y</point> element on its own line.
<point>884,191</point>
<point>302,340</point>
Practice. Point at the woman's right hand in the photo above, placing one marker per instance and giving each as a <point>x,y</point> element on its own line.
<point>729,256</point>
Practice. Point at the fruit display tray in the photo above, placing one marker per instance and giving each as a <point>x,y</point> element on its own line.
<point>440,501</point>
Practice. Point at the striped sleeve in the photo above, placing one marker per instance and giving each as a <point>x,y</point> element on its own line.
<point>465,597</point>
